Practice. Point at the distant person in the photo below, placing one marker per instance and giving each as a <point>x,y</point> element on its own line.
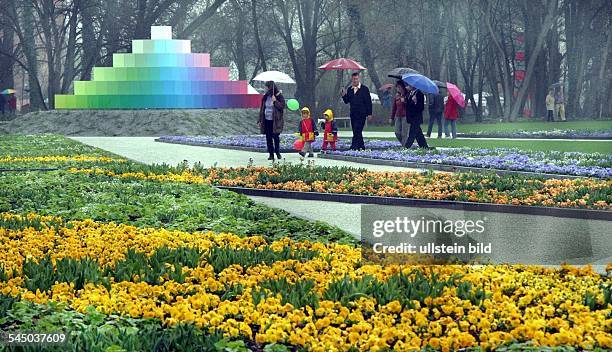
<point>358,96</point>
<point>271,120</point>
<point>550,106</point>
<point>398,113</point>
<point>12,104</point>
<point>560,104</point>
<point>435,103</point>
<point>451,114</point>
<point>2,102</point>
<point>386,99</point>
<point>415,104</point>
<point>307,129</point>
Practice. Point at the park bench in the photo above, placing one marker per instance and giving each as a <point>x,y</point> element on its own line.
<point>346,121</point>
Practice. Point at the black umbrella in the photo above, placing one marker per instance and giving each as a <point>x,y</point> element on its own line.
<point>400,71</point>
<point>440,84</point>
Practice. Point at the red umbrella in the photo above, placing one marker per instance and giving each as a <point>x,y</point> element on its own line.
<point>455,93</point>
<point>342,64</point>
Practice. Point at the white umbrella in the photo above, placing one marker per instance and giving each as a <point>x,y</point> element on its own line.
<point>276,76</point>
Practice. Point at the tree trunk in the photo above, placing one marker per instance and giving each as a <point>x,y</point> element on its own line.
<point>355,14</point>
<point>551,15</point>
<point>7,42</point>
<point>260,51</point>
<point>29,49</point>
<point>90,47</point>
<point>575,56</point>
<point>70,48</point>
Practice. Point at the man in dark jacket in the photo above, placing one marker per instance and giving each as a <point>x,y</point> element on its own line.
<point>358,96</point>
<point>436,108</point>
<point>415,104</point>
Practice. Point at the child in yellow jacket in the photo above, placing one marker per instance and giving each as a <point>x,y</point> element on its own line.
<point>330,130</point>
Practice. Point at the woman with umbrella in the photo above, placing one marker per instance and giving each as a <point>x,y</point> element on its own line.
<point>271,120</point>
<point>451,113</point>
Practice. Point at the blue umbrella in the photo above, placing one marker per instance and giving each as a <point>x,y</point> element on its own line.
<point>421,83</point>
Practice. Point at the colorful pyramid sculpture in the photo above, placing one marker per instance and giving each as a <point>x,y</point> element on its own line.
<point>160,73</point>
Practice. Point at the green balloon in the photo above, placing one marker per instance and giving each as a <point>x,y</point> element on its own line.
<point>293,105</point>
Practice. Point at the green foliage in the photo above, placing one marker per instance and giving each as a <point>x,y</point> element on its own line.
<point>163,263</point>
<point>223,257</point>
<point>299,294</point>
<point>404,288</point>
<point>594,303</point>
<point>98,332</point>
<point>43,274</point>
<point>465,291</point>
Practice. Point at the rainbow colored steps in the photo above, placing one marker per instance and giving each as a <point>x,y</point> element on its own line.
<point>160,73</point>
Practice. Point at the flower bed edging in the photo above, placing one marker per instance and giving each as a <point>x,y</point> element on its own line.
<point>232,147</point>
<point>440,167</point>
<point>257,142</point>
<point>427,203</point>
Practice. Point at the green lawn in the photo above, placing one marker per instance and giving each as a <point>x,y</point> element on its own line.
<point>543,145</point>
<point>516,126</point>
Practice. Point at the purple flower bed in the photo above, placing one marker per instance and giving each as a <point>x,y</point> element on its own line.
<point>573,163</point>
<point>259,142</point>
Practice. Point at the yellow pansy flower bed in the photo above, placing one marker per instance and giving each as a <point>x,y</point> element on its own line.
<point>517,303</point>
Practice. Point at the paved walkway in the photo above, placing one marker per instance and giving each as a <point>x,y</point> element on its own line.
<point>342,215</point>
<point>146,150</point>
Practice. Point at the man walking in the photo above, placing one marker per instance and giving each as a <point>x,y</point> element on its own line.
<point>358,96</point>
<point>415,104</point>
<point>436,108</point>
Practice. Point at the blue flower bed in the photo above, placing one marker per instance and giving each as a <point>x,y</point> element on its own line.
<point>259,142</point>
<point>553,162</point>
<point>577,134</point>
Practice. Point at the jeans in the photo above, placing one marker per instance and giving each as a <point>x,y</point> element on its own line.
<point>272,139</point>
<point>415,132</point>
<point>357,124</point>
<point>453,124</point>
<point>401,128</point>
<point>434,117</point>
<point>549,116</point>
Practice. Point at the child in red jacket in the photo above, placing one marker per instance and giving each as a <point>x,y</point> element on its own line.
<point>330,130</point>
<point>307,129</point>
